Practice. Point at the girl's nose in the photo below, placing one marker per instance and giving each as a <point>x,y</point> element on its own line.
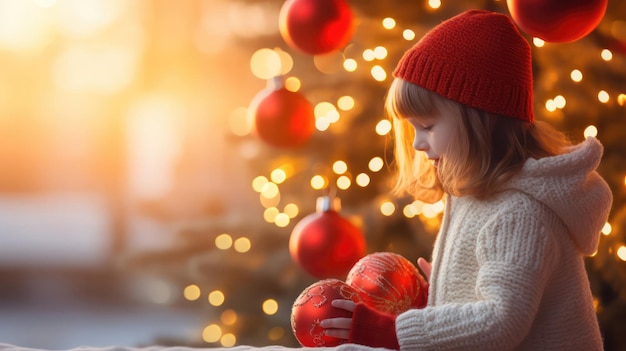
<point>420,144</point>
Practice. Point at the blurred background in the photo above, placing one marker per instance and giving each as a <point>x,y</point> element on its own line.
<point>138,207</point>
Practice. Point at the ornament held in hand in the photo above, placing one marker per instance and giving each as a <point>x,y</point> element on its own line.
<point>389,283</point>
<point>314,305</point>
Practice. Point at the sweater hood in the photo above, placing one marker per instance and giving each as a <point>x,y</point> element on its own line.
<point>570,186</point>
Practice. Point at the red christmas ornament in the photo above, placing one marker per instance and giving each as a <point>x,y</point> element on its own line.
<point>325,244</point>
<point>558,21</point>
<point>388,282</point>
<point>313,306</point>
<point>282,118</point>
<point>316,26</point>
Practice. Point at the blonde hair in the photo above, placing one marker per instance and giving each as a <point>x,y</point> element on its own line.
<point>485,151</point>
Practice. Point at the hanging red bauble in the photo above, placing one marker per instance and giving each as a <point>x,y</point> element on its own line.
<point>316,26</point>
<point>557,21</point>
<point>282,118</point>
<point>389,283</point>
<point>313,306</point>
<point>325,244</point>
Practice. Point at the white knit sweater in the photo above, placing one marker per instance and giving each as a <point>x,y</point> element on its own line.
<point>508,273</point>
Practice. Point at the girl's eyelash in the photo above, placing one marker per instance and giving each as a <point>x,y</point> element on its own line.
<point>428,128</point>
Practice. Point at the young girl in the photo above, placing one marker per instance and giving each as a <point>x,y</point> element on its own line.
<point>523,206</point>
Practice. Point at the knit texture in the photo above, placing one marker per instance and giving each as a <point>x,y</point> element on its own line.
<point>508,273</point>
<point>477,58</point>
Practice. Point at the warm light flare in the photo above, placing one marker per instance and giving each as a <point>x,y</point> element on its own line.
<point>576,75</point>
<point>270,307</point>
<point>621,253</point>
<point>376,164</point>
<point>389,23</point>
<point>590,131</point>
<point>191,292</point>
<point>340,167</point>
<point>212,333</point>
<point>387,208</point>
<point>216,298</point>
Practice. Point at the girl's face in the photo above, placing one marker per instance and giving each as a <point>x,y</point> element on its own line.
<point>433,133</point>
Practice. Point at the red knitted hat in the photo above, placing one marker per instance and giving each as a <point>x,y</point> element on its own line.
<point>477,58</point>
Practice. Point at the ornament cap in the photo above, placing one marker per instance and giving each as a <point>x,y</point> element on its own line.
<point>328,203</point>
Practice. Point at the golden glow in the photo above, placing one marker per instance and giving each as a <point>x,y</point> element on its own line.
<point>606,230</point>
<point>191,292</point>
<point>293,84</point>
<point>621,99</point>
<point>538,42</point>
<point>270,307</point>
<point>323,108</point>
<point>368,55</point>
<point>559,101</point>
<point>270,213</point>
<point>216,298</point>
<point>362,180</point>
<point>276,333</point>
<point>291,210</point>
<point>270,190</point>
<point>318,182</point>
<point>223,241</point>
<point>286,61</point>
<point>383,127</point>
<point>46,3</point>
<point>432,210</point>
<point>229,317</point>
<point>346,103</point>
<point>606,55</point>
<point>242,245</point>
<point>621,253</point>
<point>282,220</point>
<point>379,73</point>
<point>268,202</point>
<point>258,183</point>
<point>333,116</point>
<point>434,4</point>
<point>576,75</point>
<point>278,176</point>
<point>603,96</point>
<point>413,209</point>
<point>389,23</point>
<point>387,208</point>
<point>343,182</point>
<point>340,167</point>
<point>408,34</point>
<point>380,52</point>
<point>376,164</point>
<point>590,131</point>
<point>350,65</point>
<point>551,105</point>
<point>265,63</point>
<point>212,333</point>
<point>322,123</point>
<point>239,122</point>
<point>228,340</point>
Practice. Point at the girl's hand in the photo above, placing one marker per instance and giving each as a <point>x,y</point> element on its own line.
<point>339,327</point>
<point>425,267</point>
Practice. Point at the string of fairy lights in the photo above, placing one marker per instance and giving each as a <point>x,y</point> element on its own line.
<point>267,63</point>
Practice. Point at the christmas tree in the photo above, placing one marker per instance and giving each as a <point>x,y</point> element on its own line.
<point>238,256</point>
